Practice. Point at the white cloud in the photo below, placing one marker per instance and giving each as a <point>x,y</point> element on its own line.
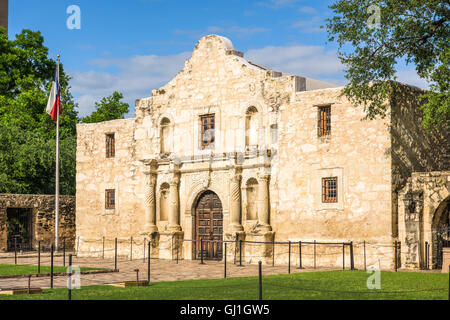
<point>136,77</point>
<point>309,61</point>
<point>410,76</point>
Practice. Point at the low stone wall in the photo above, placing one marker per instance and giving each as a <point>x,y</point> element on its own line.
<point>42,219</point>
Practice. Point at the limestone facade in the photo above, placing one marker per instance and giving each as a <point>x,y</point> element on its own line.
<point>42,219</point>
<point>266,165</point>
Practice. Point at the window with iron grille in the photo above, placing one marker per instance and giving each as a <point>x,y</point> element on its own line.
<point>110,199</point>
<point>329,190</point>
<point>208,125</point>
<point>110,145</point>
<point>324,125</point>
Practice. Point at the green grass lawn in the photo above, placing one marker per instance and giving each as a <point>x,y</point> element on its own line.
<point>11,269</point>
<point>300,286</point>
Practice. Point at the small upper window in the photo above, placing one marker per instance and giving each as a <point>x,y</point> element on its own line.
<point>324,125</point>
<point>110,199</point>
<point>208,133</point>
<point>329,190</point>
<point>110,146</point>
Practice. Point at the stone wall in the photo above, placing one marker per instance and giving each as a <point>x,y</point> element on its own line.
<point>43,218</point>
<point>157,187</point>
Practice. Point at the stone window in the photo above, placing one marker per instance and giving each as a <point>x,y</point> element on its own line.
<point>207,123</point>
<point>329,190</point>
<point>251,127</point>
<point>110,145</point>
<point>165,136</point>
<point>324,124</point>
<point>110,199</point>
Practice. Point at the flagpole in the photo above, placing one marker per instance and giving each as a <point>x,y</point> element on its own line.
<point>57,167</point>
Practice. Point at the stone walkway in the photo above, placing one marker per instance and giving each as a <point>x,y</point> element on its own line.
<point>161,270</point>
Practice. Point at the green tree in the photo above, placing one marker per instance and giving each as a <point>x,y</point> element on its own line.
<point>27,132</point>
<point>109,108</point>
<point>416,31</point>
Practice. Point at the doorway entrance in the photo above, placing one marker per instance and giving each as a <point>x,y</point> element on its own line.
<point>19,228</point>
<point>209,226</point>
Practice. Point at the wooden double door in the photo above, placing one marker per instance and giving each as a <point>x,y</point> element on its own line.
<point>209,226</point>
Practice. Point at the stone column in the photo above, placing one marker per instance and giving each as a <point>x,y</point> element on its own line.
<point>174,219</point>
<point>150,212</point>
<point>263,202</point>
<point>235,203</point>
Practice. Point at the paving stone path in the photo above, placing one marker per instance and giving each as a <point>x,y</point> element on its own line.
<point>161,270</point>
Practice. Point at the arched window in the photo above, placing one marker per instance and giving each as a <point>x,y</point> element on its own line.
<point>252,189</point>
<point>165,136</point>
<point>251,127</point>
<point>164,202</point>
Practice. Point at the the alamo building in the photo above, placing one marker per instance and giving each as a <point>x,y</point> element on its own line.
<point>229,150</point>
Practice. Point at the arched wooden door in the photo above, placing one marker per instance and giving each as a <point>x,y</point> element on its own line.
<point>209,226</point>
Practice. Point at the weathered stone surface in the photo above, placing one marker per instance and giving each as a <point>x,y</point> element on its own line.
<point>371,160</point>
<point>42,220</point>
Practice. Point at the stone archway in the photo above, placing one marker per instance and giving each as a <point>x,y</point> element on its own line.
<point>208,219</point>
<point>440,232</point>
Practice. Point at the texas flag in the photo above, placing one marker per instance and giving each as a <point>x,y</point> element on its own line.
<point>54,103</point>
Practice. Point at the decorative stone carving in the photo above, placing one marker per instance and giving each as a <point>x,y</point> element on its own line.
<point>263,202</point>
<point>235,200</point>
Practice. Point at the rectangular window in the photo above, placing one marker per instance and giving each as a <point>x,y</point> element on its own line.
<point>324,125</point>
<point>110,145</point>
<point>329,190</point>
<point>110,199</point>
<point>208,134</point>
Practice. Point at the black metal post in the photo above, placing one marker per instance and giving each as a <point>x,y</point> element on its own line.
<point>225,261</point>
<point>178,248</point>
<point>399,254</point>
<point>395,256</point>
<point>240,253</point>
<point>70,278</point>
<point>115,255</point>
<point>103,248</point>
<point>273,253</point>
<point>426,255</point>
<point>39,257</point>
<point>131,249</point>
<point>148,265</point>
<point>143,259</point>
<point>314,254</point>
<point>289,260</point>
<point>15,250</point>
<point>352,257</point>
<point>300,255</point>
<point>51,266</point>
<point>201,251</point>
<point>343,256</point>
<point>260,279</point>
<point>365,261</point>
<point>64,252</point>
<point>29,284</point>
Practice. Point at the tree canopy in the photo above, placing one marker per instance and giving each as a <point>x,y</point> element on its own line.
<point>375,35</point>
<point>109,108</point>
<point>27,132</point>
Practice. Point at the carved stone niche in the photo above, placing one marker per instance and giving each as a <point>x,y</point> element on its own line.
<point>413,223</point>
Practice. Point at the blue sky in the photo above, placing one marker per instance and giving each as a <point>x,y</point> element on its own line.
<point>135,46</point>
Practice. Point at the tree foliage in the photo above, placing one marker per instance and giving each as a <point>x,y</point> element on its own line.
<point>109,108</point>
<point>416,31</point>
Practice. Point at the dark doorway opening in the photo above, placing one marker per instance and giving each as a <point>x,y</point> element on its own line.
<point>209,226</point>
<point>19,228</point>
<point>442,235</point>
